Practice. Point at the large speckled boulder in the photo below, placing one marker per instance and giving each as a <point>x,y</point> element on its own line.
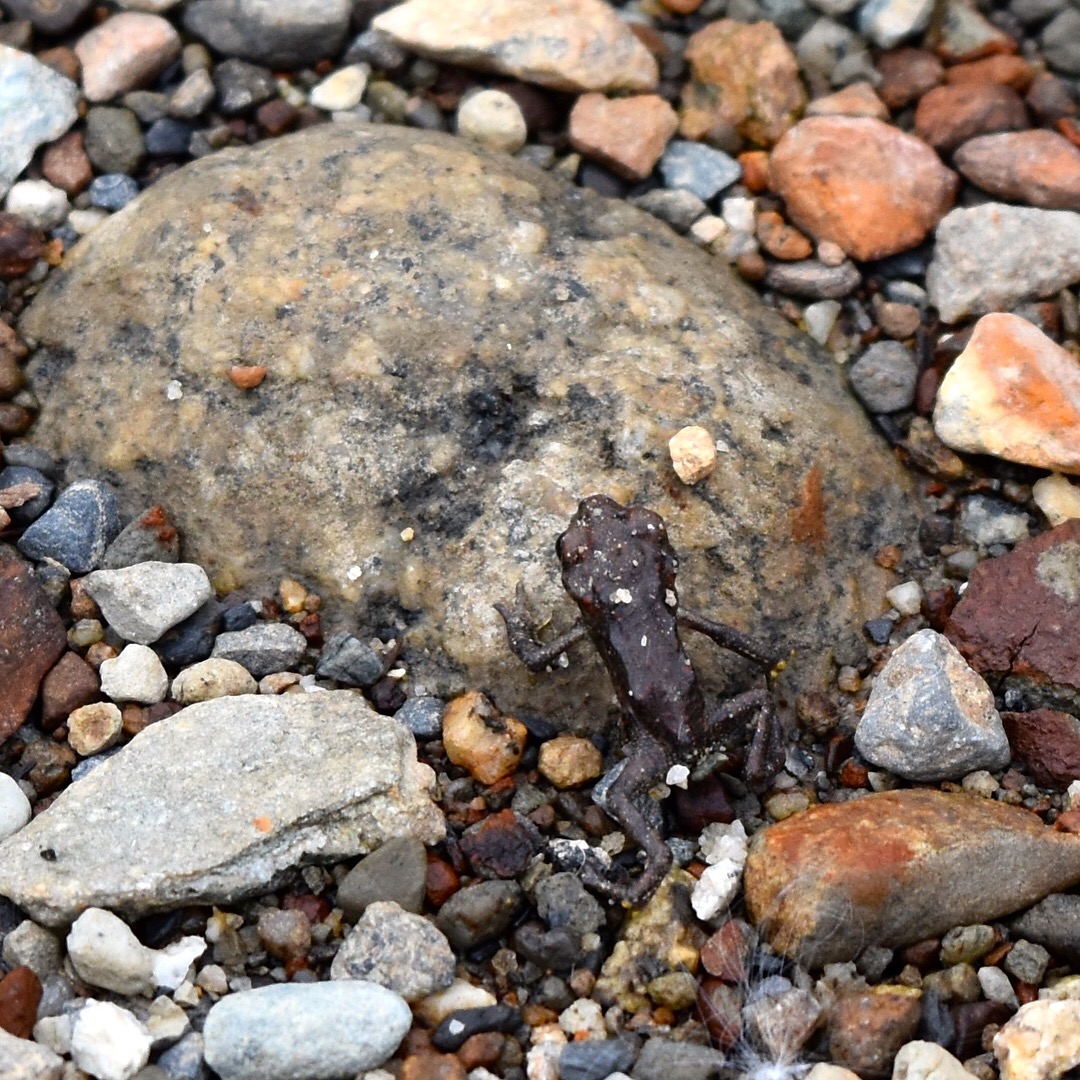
<point>460,345</point>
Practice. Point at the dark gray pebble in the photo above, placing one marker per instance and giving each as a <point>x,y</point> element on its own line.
<point>193,639</point>
<point>878,630</point>
<point>422,716</point>
<point>479,912</point>
<point>662,1059</point>
<point>113,191</point>
<point>349,661</point>
<point>557,950</point>
<point>678,207</point>
<point>168,136</point>
<point>239,617</point>
<point>375,48</point>
<point>396,871</point>
<point>464,1023</point>
<point>562,900</point>
<point>77,529</point>
<point>263,648</point>
<point>52,16</point>
<point>114,139</point>
<point>813,279</point>
<point>593,1059</point>
<point>21,516</point>
<point>184,1061</point>
<point>148,538</point>
<point>1053,923</point>
<point>33,457</point>
<point>242,86</point>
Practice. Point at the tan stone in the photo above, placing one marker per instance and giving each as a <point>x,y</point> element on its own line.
<point>858,99</point>
<point>480,739</point>
<point>1056,496</point>
<point>1041,1042</point>
<point>693,454</point>
<point>860,183</point>
<point>1012,393</point>
<point>628,135</point>
<point>93,728</point>
<point>126,51</point>
<point>569,761</point>
<point>572,45</point>
<point>1040,168</point>
<point>743,79</point>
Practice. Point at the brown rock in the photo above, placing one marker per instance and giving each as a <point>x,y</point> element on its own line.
<point>70,685</point>
<point>32,638</point>
<point>569,761</point>
<point>780,239</point>
<point>20,995</point>
<point>501,845</point>
<point>1040,168</point>
<point>47,765</point>
<point>573,45</point>
<point>480,739</point>
<point>93,728</point>
<point>432,1066</point>
<point>907,74</point>
<point>743,78</point>
<point>483,1048</point>
<point>285,934</point>
<point>724,954</point>
<point>63,60</point>
<point>442,881</point>
<point>867,1028</point>
<point>12,350</point>
<point>125,51</point>
<point>858,99</point>
<point>1047,742</point>
<point>893,868</point>
<point>897,320</point>
<point>863,184</point>
<point>1011,71</point>
<point>1012,393</point>
<point>628,135</point>
<point>20,246</point>
<point>755,170</point>
<point>247,376</point>
<point>66,164</point>
<point>950,115</point>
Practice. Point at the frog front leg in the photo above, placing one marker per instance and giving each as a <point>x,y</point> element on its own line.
<point>727,637</point>
<point>754,714</point>
<point>521,635</point>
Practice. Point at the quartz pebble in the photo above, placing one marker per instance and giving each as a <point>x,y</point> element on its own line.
<point>38,203</point>
<point>693,454</point>
<point>1057,497</point>
<point>14,806</point>
<point>135,675</point>
<point>125,51</point>
<point>342,90</point>
<point>108,1042</point>
<point>213,678</point>
<point>987,521</point>
<point>493,119</point>
<point>1042,1040</point>
<point>920,1060</point>
<point>478,738</point>
<point>105,953</point>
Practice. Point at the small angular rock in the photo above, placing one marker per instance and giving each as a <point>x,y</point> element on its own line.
<point>263,648</point>
<point>1041,1040</point>
<point>627,135</point>
<point>142,601</point>
<point>76,529</point>
<point>125,51</point>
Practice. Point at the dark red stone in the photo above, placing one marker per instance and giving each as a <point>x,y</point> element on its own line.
<point>20,995</point>
<point>316,908</point>
<point>720,1006</point>
<point>20,246</point>
<point>442,881</point>
<point>70,685</point>
<point>702,803</point>
<point>501,845</point>
<point>970,1019</point>
<point>1047,742</point>
<point>724,954</point>
<point>950,115</point>
<point>32,638</point>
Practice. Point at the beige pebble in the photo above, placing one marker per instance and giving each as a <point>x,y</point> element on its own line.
<point>212,678</point>
<point>292,594</point>
<point>492,119</point>
<point>480,739</point>
<point>1040,1042</point>
<point>693,454</point>
<point>568,761</point>
<point>1057,497</point>
<point>94,728</point>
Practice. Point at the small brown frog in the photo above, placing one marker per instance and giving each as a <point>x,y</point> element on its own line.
<point>619,566</point>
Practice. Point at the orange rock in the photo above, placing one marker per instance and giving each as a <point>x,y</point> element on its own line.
<point>861,183</point>
<point>950,115</point>
<point>898,867</point>
<point>682,7</point>
<point>479,738</point>
<point>1012,393</point>
<point>779,239</point>
<point>858,99</point>
<point>20,994</point>
<point>755,170</point>
<point>744,80</point>
<point>247,376</point>
<point>1040,168</point>
<point>1011,71</point>
<point>907,74</point>
<point>628,135</point>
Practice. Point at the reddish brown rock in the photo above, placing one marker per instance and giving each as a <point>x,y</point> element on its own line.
<point>860,183</point>
<point>1012,393</point>
<point>780,239</point>
<point>1020,614</point>
<point>20,995</point>
<point>31,639</point>
<point>628,135</point>
<point>47,765</point>
<point>1011,71</point>
<point>70,685</point>
<point>744,79</point>
<point>907,74</point>
<point>1040,168</point>
<point>66,164</point>
<point>897,867</point>
<point>858,99</point>
<point>501,845</point>
<point>948,116</point>
<point>20,246</point>
<point>1047,742</point>
<point>867,1028</point>
<point>724,954</point>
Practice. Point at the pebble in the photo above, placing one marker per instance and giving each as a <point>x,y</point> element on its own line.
<point>693,454</point>
<point>901,865</point>
<point>568,761</point>
<point>151,537</point>
<point>422,716</point>
<point>744,83</point>
<point>950,115</point>
<point>105,953</point>
<point>889,22</point>
<point>127,50</point>
<point>479,913</point>
<point>14,476</point>
<point>94,728</point>
<point>1047,741</point>
<point>987,521</point>
<point>241,86</point>
<point>1057,497</point>
<point>193,96</point>
<point>263,648</point>
<point>995,986</point>
<point>930,717</point>
<point>907,597</point>
<point>395,871</point>
<point>168,137</point>
<point>595,1059</point>
<point>396,949</point>
<point>140,602</point>
<point>69,685</point>
<point>865,185</point>
<point>1013,393</point>
<point>990,258</point>
<point>919,1060</point>
<point>20,996</point>
<point>858,99</point>
<point>493,119</point>
<point>562,901</point>
<point>1040,168</point>
<point>966,944</point>
<point>1054,923</point>
<point>1027,962</point>
<point>32,946</point>
<point>884,377</point>
<point>697,168</point>
<point>114,140</point>
<point>572,45</point>
<point>813,279</point>
<point>867,1029</point>
<point>480,739</point>
<point>1060,42</point>
<point>322,1031</point>
<point>724,849</point>
<point>76,529</point>
<point>665,1059</point>
<point>820,318</point>
<point>52,16</point>
<point>109,1042</point>
<point>291,35</point>
<point>26,1060</point>
<point>37,105</point>
<point>626,135</point>
<point>349,661</point>
<point>501,845</point>
<point>459,995</point>
<point>135,675</point>
<point>192,640</point>
<point>780,239</point>
<point>342,90</point>
<point>906,74</point>
<point>1041,1041</point>
<point>678,207</point>
<point>14,806</point>
<point>38,203</point>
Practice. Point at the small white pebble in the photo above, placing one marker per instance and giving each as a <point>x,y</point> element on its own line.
<point>38,203</point>
<point>174,390</point>
<point>709,230</point>
<point>343,90</point>
<point>14,806</point>
<point>1072,793</point>
<point>108,1042</point>
<point>830,254</point>
<point>820,319</point>
<point>86,221</point>
<point>739,213</point>
<point>677,776</point>
<point>906,597</point>
<point>407,534</point>
<point>493,119</point>
<point>996,986</point>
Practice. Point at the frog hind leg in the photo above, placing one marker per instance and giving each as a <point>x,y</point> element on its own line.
<point>754,712</point>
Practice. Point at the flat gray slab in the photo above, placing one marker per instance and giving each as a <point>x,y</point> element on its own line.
<point>216,802</point>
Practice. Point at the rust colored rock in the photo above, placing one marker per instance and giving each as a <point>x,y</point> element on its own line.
<point>32,638</point>
<point>858,99</point>
<point>70,685</point>
<point>743,78</point>
<point>1011,71</point>
<point>20,246</point>
<point>1047,742</point>
<point>1012,393</point>
<point>628,135</point>
<point>724,954</point>
<point>907,74</point>
<point>432,1067</point>
<point>20,994</point>
<point>247,376</point>
<point>867,1028</point>
<point>894,868</point>
<point>501,845</point>
<point>781,240</point>
<point>948,116</point>
<point>861,183</point>
<point>442,881</point>
<point>66,164</point>
<point>1040,168</point>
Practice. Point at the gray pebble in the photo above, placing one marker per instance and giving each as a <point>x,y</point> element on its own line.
<point>562,900</point>
<point>593,1059</point>
<point>241,86</point>
<point>113,139</point>
<point>1027,962</point>
<point>320,1031</point>
<point>663,1059</point>
<point>697,168</point>
<point>986,521</point>
<point>422,716</point>
<point>559,949</point>
<point>33,457</point>
<point>888,22</point>
<point>1053,923</point>
<point>1060,42</point>
<point>24,1059</point>
<point>377,49</point>
<point>263,648</point>
<point>396,871</point>
<point>479,912</point>
<point>52,16</point>
<point>193,96</point>
<point>113,191</point>
<point>884,377</point>
<point>349,661</point>
<point>184,1060</point>
<point>29,511</point>
<point>813,280</point>
<point>192,640</point>
<point>146,539</point>
<point>35,947</point>
<point>77,529</point>
<point>678,207</point>
<point>462,1024</point>
<point>148,105</point>
<point>169,137</point>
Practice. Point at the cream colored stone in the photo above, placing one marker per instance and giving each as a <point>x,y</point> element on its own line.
<point>480,739</point>
<point>1057,497</point>
<point>1040,1042</point>
<point>569,761</point>
<point>212,678</point>
<point>94,728</point>
<point>493,119</point>
<point>927,1061</point>
<point>693,454</point>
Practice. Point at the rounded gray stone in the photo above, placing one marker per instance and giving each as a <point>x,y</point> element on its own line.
<point>884,377</point>
<point>458,344</point>
<point>320,1031</point>
<point>263,648</point>
<point>396,871</point>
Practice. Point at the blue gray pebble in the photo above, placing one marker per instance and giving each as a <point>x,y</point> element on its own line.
<point>698,168</point>
<point>77,529</point>
<point>113,191</point>
<point>263,648</point>
<point>21,516</point>
<point>422,716</point>
<point>169,136</point>
<point>593,1059</point>
<point>349,661</point>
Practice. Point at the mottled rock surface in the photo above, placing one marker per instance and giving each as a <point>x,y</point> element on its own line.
<point>458,343</point>
<point>292,779</point>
